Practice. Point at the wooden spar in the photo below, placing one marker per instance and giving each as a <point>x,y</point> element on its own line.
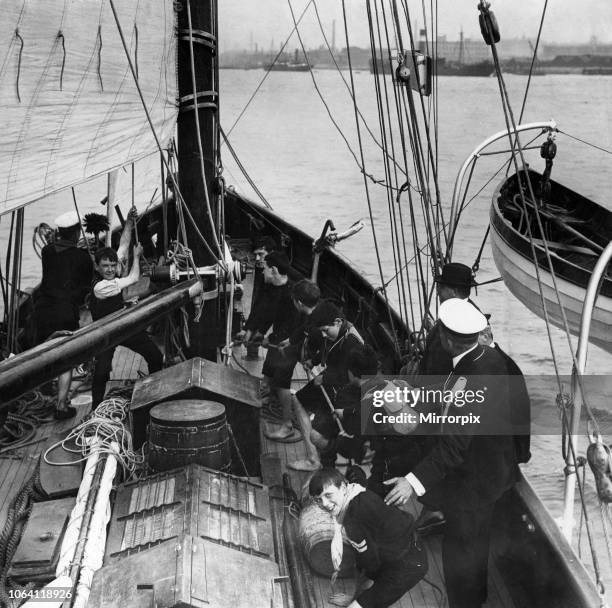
<point>43,363</point>
<point>198,150</point>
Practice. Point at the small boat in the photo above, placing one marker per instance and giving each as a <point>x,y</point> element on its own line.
<point>574,232</point>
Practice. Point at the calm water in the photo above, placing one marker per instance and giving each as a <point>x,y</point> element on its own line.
<point>300,163</point>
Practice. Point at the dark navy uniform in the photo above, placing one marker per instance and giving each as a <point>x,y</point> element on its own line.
<point>66,276</point>
<point>386,550</point>
<point>465,474</point>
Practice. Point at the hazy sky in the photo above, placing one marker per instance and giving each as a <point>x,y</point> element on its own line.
<point>264,21</point>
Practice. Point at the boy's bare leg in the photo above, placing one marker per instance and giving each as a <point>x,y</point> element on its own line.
<point>63,387</point>
<point>312,461</point>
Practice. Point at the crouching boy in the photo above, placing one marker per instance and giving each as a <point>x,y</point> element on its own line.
<point>362,367</point>
<point>389,558</point>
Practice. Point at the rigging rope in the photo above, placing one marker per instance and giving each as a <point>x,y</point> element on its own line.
<point>348,88</point>
<point>361,164</point>
<point>175,185</point>
<point>365,181</point>
<point>18,35</point>
<point>533,60</point>
<point>243,170</point>
<point>76,207</point>
<point>267,72</point>
<point>419,161</point>
<point>583,141</point>
<point>61,36</point>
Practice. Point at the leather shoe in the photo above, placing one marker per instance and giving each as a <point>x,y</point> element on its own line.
<point>430,522</point>
<point>64,414</point>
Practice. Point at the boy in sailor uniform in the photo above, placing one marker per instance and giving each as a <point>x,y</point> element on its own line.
<point>387,555</point>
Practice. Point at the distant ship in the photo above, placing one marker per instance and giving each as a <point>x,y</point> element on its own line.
<point>289,66</point>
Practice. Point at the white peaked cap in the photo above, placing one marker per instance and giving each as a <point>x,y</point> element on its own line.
<point>68,219</point>
<point>461,317</point>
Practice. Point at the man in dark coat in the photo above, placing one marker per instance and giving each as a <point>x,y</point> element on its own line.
<point>521,402</point>
<point>278,312</point>
<point>455,281</point>
<point>468,468</point>
<point>395,455</point>
<point>66,276</point>
<point>251,336</point>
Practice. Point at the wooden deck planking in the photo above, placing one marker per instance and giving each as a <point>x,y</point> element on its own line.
<point>126,364</point>
<point>15,472</point>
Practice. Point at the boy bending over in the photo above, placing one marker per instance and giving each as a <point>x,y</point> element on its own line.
<point>388,557</point>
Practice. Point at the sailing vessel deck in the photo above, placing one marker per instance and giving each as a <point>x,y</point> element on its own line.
<point>15,470</point>
<point>429,593</point>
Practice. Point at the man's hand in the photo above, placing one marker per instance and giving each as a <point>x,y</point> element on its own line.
<point>137,250</point>
<point>340,599</point>
<point>400,493</point>
<point>132,215</point>
<point>256,338</point>
<point>318,380</point>
<point>307,365</point>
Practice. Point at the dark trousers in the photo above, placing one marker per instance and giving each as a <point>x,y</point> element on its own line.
<point>465,555</point>
<point>395,578</point>
<point>141,344</point>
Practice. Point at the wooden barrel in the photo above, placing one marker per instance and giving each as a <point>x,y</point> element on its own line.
<point>316,530</point>
<point>188,431</point>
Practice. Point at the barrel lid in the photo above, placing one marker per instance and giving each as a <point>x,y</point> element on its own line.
<point>187,411</point>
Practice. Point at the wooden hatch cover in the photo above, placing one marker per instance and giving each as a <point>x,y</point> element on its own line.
<point>198,377</point>
<point>225,509</point>
<point>191,537</point>
<point>187,572</point>
<point>37,554</point>
<point>202,379</point>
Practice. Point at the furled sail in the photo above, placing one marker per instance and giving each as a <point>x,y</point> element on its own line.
<point>70,106</point>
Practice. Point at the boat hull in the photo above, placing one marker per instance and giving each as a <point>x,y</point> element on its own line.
<point>513,257</point>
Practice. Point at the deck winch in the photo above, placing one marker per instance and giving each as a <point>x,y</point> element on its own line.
<point>171,273</point>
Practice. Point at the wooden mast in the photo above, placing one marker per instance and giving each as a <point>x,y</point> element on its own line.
<point>203,40</point>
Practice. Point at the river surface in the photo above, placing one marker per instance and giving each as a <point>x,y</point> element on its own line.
<point>290,148</point>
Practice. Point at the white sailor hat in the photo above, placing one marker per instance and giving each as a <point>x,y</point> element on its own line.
<point>67,220</point>
<point>461,317</point>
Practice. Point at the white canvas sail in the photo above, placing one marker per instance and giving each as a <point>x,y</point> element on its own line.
<point>70,106</point>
